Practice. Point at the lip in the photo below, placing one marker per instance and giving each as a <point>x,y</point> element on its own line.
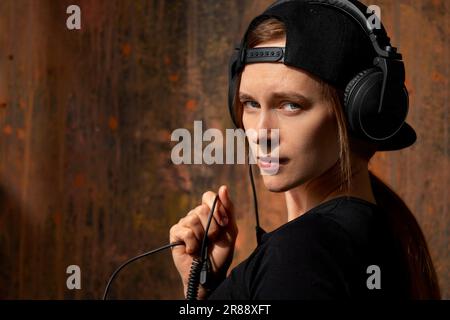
<point>271,162</point>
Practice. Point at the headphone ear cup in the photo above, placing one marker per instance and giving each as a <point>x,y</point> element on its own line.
<point>352,83</point>
<point>350,107</point>
<point>362,101</point>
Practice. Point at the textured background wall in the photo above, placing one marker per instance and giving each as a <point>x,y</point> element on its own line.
<point>85,124</point>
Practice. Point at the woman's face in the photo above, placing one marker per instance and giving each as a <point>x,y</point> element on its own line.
<point>275,96</point>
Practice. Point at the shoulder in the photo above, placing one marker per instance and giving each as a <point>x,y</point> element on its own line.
<point>322,254</point>
<point>340,221</point>
<point>315,255</point>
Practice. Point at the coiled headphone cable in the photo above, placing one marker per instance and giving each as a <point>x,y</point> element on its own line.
<point>199,268</point>
<point>200,265</point>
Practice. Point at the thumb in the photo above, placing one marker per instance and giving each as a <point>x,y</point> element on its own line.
<point>225,200</point>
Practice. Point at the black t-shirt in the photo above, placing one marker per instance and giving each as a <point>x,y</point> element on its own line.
<point>341,249</point>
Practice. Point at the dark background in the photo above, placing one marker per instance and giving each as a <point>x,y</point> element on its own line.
<point>85,123</point>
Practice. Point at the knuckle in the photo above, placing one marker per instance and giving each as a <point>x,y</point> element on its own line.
<point>173,229</point>
<point>194,220</point>
<point>189,234</point>
<point>188,220</point>
<point>200,210</point>
<point>204,208</point>
<point>207,195</point>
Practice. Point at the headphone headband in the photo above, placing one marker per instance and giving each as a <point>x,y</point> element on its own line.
<point>352,11</point>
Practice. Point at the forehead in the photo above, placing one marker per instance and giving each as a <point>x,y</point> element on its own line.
<point>268,77</point>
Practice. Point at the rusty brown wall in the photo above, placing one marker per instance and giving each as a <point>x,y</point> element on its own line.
<point>85,124</point>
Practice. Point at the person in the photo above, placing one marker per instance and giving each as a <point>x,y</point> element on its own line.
<point>348,235</point>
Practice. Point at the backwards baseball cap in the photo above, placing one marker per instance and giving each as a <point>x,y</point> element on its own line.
<point>328,43</point>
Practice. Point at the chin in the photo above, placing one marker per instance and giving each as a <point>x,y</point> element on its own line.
<point>279,183</point>
<point>287,177</point>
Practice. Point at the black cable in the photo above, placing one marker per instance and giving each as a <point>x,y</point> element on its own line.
<point>174,244</point>
<point>204,249</point>
<point>199,268</point>
<point>255,200</point>
<point>259,230</point>
<point>194,280</point>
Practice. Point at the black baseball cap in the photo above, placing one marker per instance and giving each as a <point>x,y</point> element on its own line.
<point>327,43</point>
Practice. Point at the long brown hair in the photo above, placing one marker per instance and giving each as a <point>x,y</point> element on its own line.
<point>423,282</point>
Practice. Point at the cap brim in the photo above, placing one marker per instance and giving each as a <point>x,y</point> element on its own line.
<point>404,138</point>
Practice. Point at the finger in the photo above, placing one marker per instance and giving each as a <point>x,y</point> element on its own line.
<point>225,199</point>
<point>203,212</point>
<point>180,233</point>
<point>175,236</point>
<point>192,221</point>
<point>219,212</point>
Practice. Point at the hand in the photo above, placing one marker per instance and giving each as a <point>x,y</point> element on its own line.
<point>221,237</point>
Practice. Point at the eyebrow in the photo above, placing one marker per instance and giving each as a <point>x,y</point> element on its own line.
<point>278,95</point>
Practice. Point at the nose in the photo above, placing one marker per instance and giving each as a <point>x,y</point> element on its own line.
<point>267,134</point>
<point>264,138</point>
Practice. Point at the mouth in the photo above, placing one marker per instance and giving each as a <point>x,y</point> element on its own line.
<point>270,162</point>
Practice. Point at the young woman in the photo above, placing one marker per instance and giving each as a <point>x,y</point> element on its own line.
<point>348,235</point>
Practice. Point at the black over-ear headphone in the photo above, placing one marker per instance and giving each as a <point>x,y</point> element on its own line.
<point>375,100</point>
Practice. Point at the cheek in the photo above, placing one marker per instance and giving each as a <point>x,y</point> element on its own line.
<point>314,138</point>
<point>249,121</point>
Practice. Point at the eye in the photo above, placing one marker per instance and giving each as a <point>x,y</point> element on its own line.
<point>291,107</point>
<point>250,105</point>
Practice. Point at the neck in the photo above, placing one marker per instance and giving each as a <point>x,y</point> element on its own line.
<point>328,186</point>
